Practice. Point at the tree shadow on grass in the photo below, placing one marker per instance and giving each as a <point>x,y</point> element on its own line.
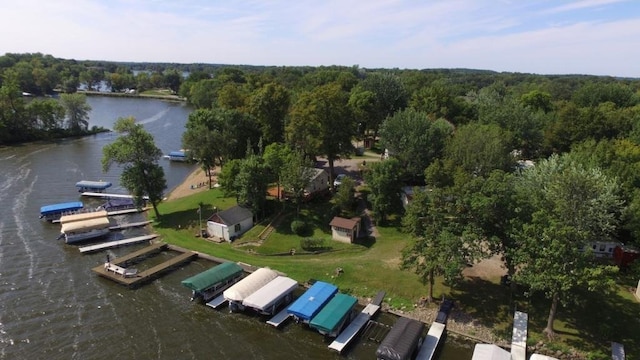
<point>189,218</point>
<point>485,302</point>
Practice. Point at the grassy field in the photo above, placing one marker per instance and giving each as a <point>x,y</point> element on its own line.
<point>373,264</point>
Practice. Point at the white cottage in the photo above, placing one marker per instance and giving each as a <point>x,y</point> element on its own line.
<point>318,184</point>
<point>231,223</point>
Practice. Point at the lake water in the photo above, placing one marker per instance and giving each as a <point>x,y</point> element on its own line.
<point>52,306</point>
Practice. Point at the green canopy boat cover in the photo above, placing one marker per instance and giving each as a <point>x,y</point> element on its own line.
<point>216,274</point>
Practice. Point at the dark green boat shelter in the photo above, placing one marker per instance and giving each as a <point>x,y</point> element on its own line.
<point>207,283</point>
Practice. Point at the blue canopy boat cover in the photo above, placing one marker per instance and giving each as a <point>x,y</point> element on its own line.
<point>215,275</point>
<point>56,209</point>
<point>332,316</point>
<point>310,303</point>
<point>86,185</point>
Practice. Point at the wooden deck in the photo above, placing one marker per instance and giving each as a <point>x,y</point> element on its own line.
<point>146,275</point>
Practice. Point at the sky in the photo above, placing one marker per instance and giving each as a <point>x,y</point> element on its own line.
<point>594,37</point>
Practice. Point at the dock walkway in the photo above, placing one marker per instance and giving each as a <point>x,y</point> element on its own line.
<point>116,243</point>
<point>157,247</point>
<point>129,225</point>
<point>519,336</point>
<point>279,318</point>
<point>217,302</point>
<point>431,341</point>
<point>345,337</point>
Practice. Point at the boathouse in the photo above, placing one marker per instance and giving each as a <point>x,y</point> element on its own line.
<point>269,298</point>
<point>231,223</point>
<point>311,302</point>
<point>402,340</point>
<point>345,230</point>
<point>210,283</point>
<point>236,294</point>
<point>333,316</point>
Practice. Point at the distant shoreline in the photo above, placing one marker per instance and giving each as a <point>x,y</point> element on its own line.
<point>146,96</point>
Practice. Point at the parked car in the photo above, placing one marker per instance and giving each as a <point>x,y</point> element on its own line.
<point>338,180</point>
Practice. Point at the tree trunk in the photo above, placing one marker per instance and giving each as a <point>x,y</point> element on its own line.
<point>155,209</point>
<point>431,283</point>
<point>552,316</point>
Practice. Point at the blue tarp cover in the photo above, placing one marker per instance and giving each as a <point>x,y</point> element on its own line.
<point>312,301</point>
<point>62,207</point>
<point>177,154</point>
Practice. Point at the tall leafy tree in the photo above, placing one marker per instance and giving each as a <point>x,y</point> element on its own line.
<point>480,148</point>
<point>269,106</point>
<point>379,95</point>
<point>321,124</point>
<point>415,139</point>
<point>570,207</point>
<point>442,242</point>
<point>296,174</point>
<point>77,111</point>
<point>383,180</point>
<point>138,155</point>
<point>251,183</point>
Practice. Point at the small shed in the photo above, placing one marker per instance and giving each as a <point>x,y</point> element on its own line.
<point>345,230</point>
<point>231,223</point>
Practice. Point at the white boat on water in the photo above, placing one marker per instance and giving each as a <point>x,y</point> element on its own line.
<point>82,227</point>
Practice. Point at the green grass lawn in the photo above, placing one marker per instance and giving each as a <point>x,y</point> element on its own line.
<point>373,264</point>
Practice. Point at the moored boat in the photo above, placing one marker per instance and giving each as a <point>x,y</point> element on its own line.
<point>269,298</point>
<point>312,301</point>
<point>82,227</point>
<point>117,204</point>
<point>334,315</point>
<point>93,186</point>
<point>55,211</point>
<point>247,286</point>
<point>210,283</point>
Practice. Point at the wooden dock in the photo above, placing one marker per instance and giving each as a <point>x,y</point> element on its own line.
<point>117,243</point>
<point>519,336</point>
<point>129,279</point>
<point>431,341</point>
<point>126,211</point>
<point>217,302</point>
<point>279,318</point>
<point>153,248</point>
<point>129,225</point>
<point>348,334</point>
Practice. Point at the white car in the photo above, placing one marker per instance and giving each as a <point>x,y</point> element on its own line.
<point>338,180</point>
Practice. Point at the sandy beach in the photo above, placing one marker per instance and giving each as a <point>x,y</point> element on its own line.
<point>196,182</point>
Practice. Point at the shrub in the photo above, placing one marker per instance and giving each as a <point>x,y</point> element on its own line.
<point>299,227</point>
<point>311,244</point>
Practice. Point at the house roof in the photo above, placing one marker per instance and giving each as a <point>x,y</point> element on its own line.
<point>317,172</point>
<point>231,216</point>
<point>344,223</point>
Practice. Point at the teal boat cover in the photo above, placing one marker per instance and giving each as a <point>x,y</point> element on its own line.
<point>216,274</point>
<point>332,314</point>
